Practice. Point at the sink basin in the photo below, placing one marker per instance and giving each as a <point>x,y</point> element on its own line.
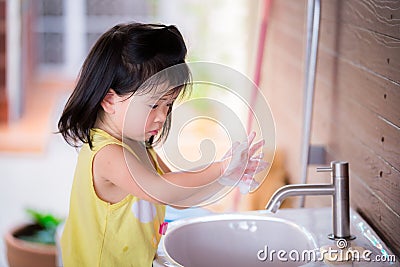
<point>240,239</point>
<point>234,240</point>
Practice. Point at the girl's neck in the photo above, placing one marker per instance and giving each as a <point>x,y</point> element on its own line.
<point>100,124</point>
<point>108,129</point>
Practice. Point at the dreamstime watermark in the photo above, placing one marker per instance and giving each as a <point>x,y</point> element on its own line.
<point>341,252</point>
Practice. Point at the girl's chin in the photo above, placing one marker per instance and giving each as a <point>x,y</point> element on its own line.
<point>137,138</point>
<point>146,138</point>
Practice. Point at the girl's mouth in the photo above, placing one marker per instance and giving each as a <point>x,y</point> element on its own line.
<point>154,132</point>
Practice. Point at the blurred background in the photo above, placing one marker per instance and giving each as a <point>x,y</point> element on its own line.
<point>356,103</point>
<point>42,46</point>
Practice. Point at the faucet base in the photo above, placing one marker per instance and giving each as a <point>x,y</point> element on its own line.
<point>333,237</point>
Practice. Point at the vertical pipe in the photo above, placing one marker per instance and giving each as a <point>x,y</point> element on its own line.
<point>341,208</point>
<point>313,20</point>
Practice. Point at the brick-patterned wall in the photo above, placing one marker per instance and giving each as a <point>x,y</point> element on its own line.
<point>357,98</point>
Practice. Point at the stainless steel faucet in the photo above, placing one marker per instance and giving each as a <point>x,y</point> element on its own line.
<point>338,189</point>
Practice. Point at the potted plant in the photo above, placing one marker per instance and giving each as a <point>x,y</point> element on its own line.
<point>33,244</point>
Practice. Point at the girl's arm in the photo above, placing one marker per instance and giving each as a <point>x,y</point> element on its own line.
<point>117,173</point>
<point>112,167</point>
<point>194,199</point>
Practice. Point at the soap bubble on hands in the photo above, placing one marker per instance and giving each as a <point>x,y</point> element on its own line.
<point>243,154</point>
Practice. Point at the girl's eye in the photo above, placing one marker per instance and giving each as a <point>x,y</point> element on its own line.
<point>169,105</point>
<point>153,106</point>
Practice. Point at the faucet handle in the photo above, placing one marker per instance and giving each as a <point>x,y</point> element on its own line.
<point>324,169</point>
<point>337,168</point>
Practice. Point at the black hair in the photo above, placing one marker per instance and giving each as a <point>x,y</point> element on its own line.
<point>124,58</point>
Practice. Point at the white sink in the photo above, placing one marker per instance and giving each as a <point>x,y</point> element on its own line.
<point>240,239</point>
<point>234,240</point>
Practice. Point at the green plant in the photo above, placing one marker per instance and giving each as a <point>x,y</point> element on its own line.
<point>44,228</point>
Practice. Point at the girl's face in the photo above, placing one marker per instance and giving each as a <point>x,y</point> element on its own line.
<point>146,115</point>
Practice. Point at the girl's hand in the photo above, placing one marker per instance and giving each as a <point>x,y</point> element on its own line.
<point>240,164</point>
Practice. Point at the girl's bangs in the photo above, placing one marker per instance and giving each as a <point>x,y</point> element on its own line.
<point>169,81</point>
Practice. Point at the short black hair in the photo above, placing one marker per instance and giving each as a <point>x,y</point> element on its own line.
<point>123,58</point>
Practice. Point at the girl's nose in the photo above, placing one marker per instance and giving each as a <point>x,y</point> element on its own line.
<point>161,114</point>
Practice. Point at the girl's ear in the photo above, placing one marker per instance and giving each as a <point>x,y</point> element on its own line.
<point>108,102</point>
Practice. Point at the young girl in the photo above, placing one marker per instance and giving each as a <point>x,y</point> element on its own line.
<point>114,219</point>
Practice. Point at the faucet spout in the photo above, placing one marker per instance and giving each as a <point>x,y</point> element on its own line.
<point>297,190</point>
<point>338,189</point>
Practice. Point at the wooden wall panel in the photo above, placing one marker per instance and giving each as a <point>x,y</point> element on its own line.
<point>373,131</point>
<point>377,174</point>
<point>377,16</point>
<point>376,93</point>
<point>284,46</point>
<point>360,69</point>
<point>376,52</point>
<point>357,98</point>
<point>376,213</point>
<point>281,15</point>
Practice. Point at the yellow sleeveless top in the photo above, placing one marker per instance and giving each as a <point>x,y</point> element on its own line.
<point>98,233</point>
